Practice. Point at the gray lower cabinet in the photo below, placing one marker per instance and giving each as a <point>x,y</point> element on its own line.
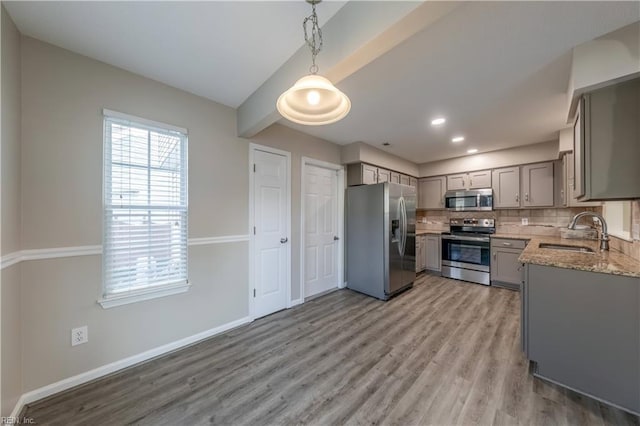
<point>506,271</point>
<point>433,251</point>
<point>582,329</point>
<point>420,253</point>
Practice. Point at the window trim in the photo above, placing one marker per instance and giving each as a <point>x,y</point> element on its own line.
<point>146,294</point>
<point>617,232</point>
<point>176,287</point>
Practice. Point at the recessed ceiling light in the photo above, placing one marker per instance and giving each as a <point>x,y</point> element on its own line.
<point>457,139</point>
<point>438,121</point>
<point>472,151</point>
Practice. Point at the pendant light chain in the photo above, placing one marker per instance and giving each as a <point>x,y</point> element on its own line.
<point>313,100</point>
<point>315,41</point>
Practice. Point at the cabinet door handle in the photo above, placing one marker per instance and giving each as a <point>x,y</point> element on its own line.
<point>507,244</point>
<point>470,182</point>
<point>494,255</point>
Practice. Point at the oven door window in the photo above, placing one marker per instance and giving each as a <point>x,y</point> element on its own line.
<point>459,203</point>
<point>472,252</point>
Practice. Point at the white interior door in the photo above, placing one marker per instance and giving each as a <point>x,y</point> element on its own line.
<point>271,240</point>
<point>321,230</point>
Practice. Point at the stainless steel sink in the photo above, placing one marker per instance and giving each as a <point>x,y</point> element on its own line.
<point>579,249</point>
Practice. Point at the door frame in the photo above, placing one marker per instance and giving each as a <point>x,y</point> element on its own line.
<point>307,161</point>
<point>252,149</point>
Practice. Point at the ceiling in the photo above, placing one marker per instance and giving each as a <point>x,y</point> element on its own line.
<point>498,71</point>
<point>221,50</point>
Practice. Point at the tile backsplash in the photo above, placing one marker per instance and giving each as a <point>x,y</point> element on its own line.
<point>540,221</point>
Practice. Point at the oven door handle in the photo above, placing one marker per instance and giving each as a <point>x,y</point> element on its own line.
<point>458,238</point>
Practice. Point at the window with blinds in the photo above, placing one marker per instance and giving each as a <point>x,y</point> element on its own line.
<point>145,207</point>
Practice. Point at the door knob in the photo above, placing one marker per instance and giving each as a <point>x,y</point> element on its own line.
<point>336,238</point>
<point>284,240</point>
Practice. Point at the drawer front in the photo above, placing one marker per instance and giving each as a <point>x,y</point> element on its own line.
<point>508,243</point>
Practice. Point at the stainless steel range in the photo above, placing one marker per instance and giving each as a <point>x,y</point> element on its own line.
<point>466,250</point>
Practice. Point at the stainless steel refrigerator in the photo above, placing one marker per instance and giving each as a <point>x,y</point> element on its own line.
<point>381,240</point>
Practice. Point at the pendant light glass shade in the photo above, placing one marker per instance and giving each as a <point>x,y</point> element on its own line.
<point>313,101</point>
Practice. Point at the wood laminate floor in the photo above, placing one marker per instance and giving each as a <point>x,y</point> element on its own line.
<point>443,353</point>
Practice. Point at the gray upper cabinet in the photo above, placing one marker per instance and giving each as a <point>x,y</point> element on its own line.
<point>537,185</point>
<point>431,192</point>
<point>366,174</point>
<point>369,174</point>
<point>606,143</point>
<point>480,179</point>
<point>472,180</point>
<point>456,182</point>
<point>568,196</point>
<point>384,175</point>
<point>531,185</point>
<point>506,187</point>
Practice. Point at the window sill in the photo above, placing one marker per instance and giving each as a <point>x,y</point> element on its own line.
<point>112,302</point>
<point>621,235</point>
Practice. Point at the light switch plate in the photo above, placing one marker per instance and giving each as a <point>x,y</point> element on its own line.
<point>525,221</point>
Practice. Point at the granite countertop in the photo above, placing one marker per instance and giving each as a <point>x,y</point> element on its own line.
<point>429,231</point>
<point>514,236</point>
<point>606,262</point>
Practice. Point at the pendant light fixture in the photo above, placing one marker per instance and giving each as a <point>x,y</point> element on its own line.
<point>313,100</point>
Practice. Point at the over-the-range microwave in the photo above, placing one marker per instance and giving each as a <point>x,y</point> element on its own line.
<point>472,200</point>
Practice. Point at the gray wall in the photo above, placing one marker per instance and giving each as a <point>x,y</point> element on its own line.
<point>10,364</point>
<point>357,152</point>
<point>544,151</point>
<point>61,185</point>
<point>300,145</point>
<point>62,98</point>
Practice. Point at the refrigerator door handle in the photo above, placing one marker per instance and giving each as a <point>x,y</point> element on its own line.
<point>401,227</point>
<point>406,226</point>
<point>403,213</point>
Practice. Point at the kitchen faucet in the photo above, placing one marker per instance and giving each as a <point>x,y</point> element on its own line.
<point>604,237</point>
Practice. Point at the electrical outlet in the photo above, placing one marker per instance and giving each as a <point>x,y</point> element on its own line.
<point>79,335</point>
<point>525,221</point>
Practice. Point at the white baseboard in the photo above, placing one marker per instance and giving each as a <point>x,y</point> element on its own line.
<point>296,302</point>
<point>90,375</point>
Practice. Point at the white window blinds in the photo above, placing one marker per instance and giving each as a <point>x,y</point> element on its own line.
<point>145,206</point>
